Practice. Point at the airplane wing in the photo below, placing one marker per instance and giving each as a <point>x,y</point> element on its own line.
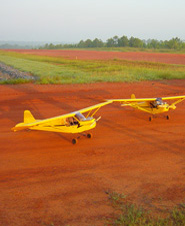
<point>97,107</point>
<point>173,98</point>
<point>132,100</point>
<point>29,120</point>
<point>146,99</point>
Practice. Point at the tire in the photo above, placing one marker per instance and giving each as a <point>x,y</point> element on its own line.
<point>150,118</point>
<point>74,141</point>
<point>89,135</point>
<point>167,117</point>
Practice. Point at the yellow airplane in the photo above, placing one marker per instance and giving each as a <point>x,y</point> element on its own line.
<point>151,105</point>
<point>74,122</point>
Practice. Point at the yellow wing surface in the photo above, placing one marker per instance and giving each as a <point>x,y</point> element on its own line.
<point>147,99</point>
<point>30,122</point>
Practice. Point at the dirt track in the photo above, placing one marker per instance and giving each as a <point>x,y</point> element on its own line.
<point>104,55</point>
<point>44,178</point>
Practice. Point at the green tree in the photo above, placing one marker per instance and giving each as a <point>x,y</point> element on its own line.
<point>110,42</point>
<point>97,43</point>
<point>123,41</point>
<point>135,42</point>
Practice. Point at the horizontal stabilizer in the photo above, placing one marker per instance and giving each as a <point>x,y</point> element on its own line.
<point>20,126</point>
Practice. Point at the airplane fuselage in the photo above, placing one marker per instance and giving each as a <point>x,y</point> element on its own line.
<point>149,108</point>
<point>74,128</point>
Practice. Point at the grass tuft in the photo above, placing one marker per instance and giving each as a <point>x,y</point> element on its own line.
<point>129,214</point>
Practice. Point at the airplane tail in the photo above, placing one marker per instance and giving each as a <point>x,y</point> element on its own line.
<point>28,117</point>
<point>133,96</point>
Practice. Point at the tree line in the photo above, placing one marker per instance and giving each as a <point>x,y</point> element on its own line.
<point>124,41</point>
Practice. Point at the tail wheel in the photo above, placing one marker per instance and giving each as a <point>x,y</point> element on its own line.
<point>150,118</point>
<point>74,141</point>
<point>89,135</point>
<point>167,117</point>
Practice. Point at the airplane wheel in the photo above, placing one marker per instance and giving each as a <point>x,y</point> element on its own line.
<point>74,141</point>
<point>167,117</point>
<point>150,118</point>
<point>89,135</point>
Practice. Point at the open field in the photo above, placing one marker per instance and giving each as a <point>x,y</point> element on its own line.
<point>72,67</point>
<point>108,55</point>
<point>45,180</point>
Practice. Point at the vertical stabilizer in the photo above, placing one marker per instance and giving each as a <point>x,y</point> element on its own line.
<point>28,117</point>
<point>133,96</point>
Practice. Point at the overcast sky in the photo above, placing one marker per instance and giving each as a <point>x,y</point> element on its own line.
<point>70,21</point>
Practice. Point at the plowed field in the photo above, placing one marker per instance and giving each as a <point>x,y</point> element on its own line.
<point>44,179</point>
<point>103,55</point>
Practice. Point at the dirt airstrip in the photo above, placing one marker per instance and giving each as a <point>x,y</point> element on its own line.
<point>45,179</point>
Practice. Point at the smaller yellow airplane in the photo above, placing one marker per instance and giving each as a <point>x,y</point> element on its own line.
<point>74,122</point>
<point>151,105</point>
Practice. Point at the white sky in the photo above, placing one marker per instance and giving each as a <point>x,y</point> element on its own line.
<point>73,20</point>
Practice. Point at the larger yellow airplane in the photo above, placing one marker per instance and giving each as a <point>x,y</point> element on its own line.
<point>151,105</point>
<point>74,122</point>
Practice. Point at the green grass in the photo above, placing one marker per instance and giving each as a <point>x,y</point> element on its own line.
<point>57,70</point>
<point>129,214</point>
<point>14,81</point>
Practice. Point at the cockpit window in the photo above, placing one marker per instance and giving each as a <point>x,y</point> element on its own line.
<point>159,101</point>
<point>80,117</point>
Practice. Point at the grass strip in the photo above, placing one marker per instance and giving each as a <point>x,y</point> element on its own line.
<point>57,70</point>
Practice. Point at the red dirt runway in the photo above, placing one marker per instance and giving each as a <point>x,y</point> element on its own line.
<point>44,178</point>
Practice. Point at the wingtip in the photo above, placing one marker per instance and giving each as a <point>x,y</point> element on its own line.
<point>109,101</point>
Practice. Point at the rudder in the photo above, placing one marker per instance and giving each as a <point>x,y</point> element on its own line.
<point>133,96</point>
<point>28,117</point>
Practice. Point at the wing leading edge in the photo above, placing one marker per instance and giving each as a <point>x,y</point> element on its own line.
<point>146,99</point>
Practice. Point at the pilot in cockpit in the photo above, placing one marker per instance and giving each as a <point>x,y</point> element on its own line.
<point>157,102</point>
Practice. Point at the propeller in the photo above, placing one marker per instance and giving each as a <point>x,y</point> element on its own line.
<point>96,120</point>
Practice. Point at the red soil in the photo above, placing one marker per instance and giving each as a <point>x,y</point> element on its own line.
<point>103,55</point>
<point>44,178</point>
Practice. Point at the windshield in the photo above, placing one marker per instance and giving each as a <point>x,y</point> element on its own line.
<point>80,117</point>
<point>159,101</point>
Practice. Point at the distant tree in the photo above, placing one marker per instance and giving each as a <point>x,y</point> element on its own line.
<point>81,44</point>
<point>123,41</point>
<point>51,46</point>
<point>153,44</point>
<point>110,42</point>
<point>115,38</point>
<point>135,42</point>
<point>174,43</point>
<point>97,43</point>
<point>88,43</point>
